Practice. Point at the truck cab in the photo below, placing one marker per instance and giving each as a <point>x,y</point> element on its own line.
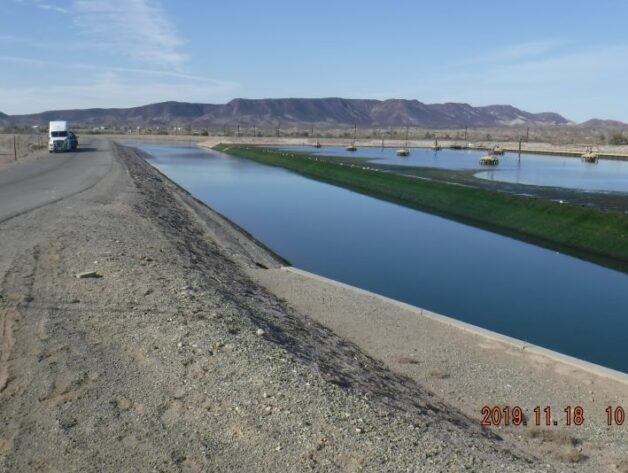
<point>60,138</point>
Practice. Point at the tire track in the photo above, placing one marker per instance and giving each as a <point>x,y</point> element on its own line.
<point>17,288</point>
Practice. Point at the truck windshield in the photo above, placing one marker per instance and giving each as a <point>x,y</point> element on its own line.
<point>59,134</point>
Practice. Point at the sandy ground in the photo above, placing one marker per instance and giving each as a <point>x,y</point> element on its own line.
<point>173,359</point>
<point>558,135</point>
<point>471,371</point>
<point>20,148</point>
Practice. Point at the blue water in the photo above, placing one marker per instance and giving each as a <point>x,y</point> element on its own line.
<point>473,275</point>
<point>532,169</point>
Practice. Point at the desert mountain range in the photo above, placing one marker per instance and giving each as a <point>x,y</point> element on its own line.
<point>323,112</point>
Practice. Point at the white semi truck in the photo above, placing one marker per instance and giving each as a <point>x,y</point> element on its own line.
<point>60,138</point>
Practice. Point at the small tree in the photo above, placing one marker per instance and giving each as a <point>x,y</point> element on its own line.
<point>618,138</point>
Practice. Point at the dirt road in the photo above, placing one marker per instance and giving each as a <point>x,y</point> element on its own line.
<point>171,358</point>
<point>46,177</point>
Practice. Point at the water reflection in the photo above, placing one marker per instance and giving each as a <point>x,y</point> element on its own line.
<point>482,278</point>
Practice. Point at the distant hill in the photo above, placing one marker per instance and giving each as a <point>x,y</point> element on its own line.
<point>597,123</point>
<point>326,112</point>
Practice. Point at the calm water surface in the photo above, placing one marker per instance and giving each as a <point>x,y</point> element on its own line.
<point>472,275</point>
<point>542,170</point>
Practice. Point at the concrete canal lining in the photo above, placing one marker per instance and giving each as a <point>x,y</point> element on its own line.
<point>583,365</point>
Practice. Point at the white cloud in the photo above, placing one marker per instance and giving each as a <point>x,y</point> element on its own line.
<point>5,38</point>
<point>102,68</point>
<point>134,29</point>
<point>515,52</point>
<point>45,6</point>
<point>22,60</point>
<point>146,72</point>
<point>110,89</point>
<point>577,83</point>
<point>586,64</point>
<point>137,40</point>
<point>138,29</point>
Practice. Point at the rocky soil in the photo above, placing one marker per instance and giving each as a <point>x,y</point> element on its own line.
<point>170,358</point>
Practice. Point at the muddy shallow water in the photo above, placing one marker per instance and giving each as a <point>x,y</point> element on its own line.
<point>533,169</point>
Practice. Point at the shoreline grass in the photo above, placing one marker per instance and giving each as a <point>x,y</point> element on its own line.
<point>590,234</point>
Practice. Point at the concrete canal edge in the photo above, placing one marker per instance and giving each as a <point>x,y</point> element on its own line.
<point>509,147</point>
<point>571,361</point>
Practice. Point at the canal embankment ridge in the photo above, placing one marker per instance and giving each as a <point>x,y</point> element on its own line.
<point>193,349</point>
<point>618,152</point>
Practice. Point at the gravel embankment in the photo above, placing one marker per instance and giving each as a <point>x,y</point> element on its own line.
<point>173,359</point>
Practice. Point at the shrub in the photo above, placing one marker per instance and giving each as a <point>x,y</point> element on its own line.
<point>618,138</point>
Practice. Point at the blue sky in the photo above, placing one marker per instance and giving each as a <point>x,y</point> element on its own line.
<point>570,57</point>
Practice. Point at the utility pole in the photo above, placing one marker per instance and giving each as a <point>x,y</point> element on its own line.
<point>528,135</point>
<point>14,148</point>
<point>278,128</point>
<point>520,139</point>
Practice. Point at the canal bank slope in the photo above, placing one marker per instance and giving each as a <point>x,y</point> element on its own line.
<point>471,368</point>
<point>132,338</point>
